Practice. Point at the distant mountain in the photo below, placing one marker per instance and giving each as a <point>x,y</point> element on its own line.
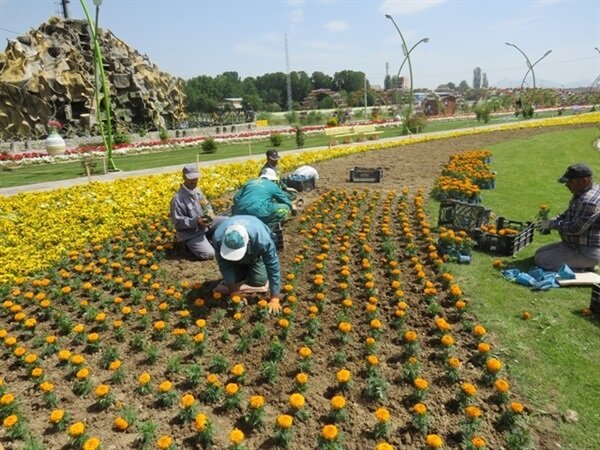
<point>541,83</point>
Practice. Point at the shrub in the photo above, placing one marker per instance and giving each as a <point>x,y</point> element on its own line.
<point>121,138</point>
<point>332,122</point>
<point>415,123</point>
<point>276,139</point>
<point>299,137</point>
<point>209,146</point>
<point>163,134</point>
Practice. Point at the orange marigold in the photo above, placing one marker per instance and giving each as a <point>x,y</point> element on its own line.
<point>343,376</point>
<point>493,365</point>
<point>257,401</point>
<point>164,442</point>
<point>434,441</point>
<point>329,432</point>
<point>77,429</point>
<point>236,436</point>
<point>338,402</point>
<point>421,384</point>
<point>382,415</point>
<point>121,424</point>
<point>297,401</point>
<point>285,421</point>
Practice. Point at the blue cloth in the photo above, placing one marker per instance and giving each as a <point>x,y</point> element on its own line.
<point>539,279</point>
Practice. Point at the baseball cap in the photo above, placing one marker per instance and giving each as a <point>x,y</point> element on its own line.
<point>272,154</point>
<point>190,172</point>
<point>578,170</point>
<point>269,174</point>
<point>235,242</point>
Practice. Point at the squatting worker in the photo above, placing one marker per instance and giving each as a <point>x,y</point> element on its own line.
<point>271,163</point>
<point>263,198</point>
<point>191,214</point>
<point>578,226</point>
<point>246,254</point>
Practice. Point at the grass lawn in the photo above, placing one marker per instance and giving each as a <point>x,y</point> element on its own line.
<point>553,358</point>
<point>24,175</point>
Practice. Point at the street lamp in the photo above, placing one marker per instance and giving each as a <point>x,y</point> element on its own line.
<point>529,65</point>
<point>424,40</point>
<point>407,57</point>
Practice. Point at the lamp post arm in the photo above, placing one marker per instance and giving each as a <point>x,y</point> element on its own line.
<point>410,100</point>
<point>529,65</point>
<point>408,53</point>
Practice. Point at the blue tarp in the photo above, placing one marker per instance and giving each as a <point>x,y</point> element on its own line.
<point>539,279</point>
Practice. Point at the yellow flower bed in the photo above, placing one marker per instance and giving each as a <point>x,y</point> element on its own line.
<point>37,229</point>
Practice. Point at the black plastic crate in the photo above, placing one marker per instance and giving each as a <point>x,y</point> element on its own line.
<point>277,235</point>
<point>595,301</point>
<point>301,185</point>
<point>458,215</point>
<point>509,243</point>
<point>366,175</point>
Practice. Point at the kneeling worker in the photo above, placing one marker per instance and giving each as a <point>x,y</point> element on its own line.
<point>263,198</point>
<point>247,256</point>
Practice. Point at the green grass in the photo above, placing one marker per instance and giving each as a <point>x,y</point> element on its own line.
<point>554,358</point>
<point>19,176</point>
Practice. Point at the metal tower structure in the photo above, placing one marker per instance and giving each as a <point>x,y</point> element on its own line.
<point>289,76</point>
<point>65,8</point>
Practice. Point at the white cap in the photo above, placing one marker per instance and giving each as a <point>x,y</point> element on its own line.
<point>269,174</point>
<point>235,242</point>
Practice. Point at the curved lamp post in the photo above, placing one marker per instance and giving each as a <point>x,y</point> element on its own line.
<point>107,137</point>
<point>597,80</point>
<point>424,40</point>
<point>407,56</point>
<point>529,65</point>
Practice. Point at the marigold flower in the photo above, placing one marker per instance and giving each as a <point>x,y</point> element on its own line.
<point>447,340</point>
<point>37,372</point>
<point>114,365</point>
<point>91,444</point>
<point>285,421</point>
<point>382,415</point>
<point>236,436</point>
<point>164,442</point>
<point>297,401</point>
<point>375,324</point>
<point>410,336</point>
<point>483,347</point>
<point>493,365</point>
<point>200,422</point>
<point>257,401</point>
<point>305,352</point>
<point>232,388</point>
<point>56,416</point>
<point>102,390</point>
<point>479,330</point>
<point>473,412</point>
<point>516,407</point>
<point>434,441</point>
<point>82,374</point>
<point>502,385</point>
<point>478,442</point>
<point>343,376</point>
<point>77,360</point>
<point>454,362</point>
<point>144,378</point>
<point>468,389</point>
<point>187,401</point>
<point>301,378</point>
<point>384,446</point>
<point>421,384</point>
<point>213,379</point>
<point>121,424</point>
<point>419,408</point>
<point>344,327</point>
<point>329,432</point>
<point>77,429</point>
<point>165,386</point>
<point>10,421</point>
<point>338,402</point>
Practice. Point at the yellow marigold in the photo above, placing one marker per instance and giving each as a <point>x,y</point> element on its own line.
<point>478,442</point>
<point>77,429</point>
<point>447,340</point>
<point>301,378</point>
<point>382,415</point>
<point>468,389</point>
<point>114,365</point>
<point>46,386</point>
<point>473,412</point>
<point>164,442</point>
<point>421,384</point>
<point>232,388</point>
<point>516,407</point>
<point>493,365</point>
<point>102,390</point>
<point>10,421</point>
<point>454,362</point>
<point>79,328</point>
<point>479,330</point>
<point>420,409</point>
<point>410,336</point>
<point>213,379</point>
<point>297,401</point>
<point>236,436</point>
<point>200,422</point>
<point>344,327</point>
<point>460,304</point>
<point>187,401</point>
<point>283,323</point>
<point>165,386</point>
<point>199,337</point>
<point>434,441</point>
<point>257,401</point>
<point>121,424</point>
<point>384,446</point>
<point>502,385</point>
<point>37,372</point>
<point>77,360</point>
<point>144,378</point>
<point>82,374</point>
<point>373,360</point>
<point>343,376</point>
<point>375,324</point>
<point>238,316</point>
<point>57,415</point>
<point>159,325</point>
<point>285,421</point>
<point>50,339</point>
<point>483,347</point>
<point>92,444</point>
<point>442,324</point>
<point>338,402</point>
<point>238,370</point>
<point>329,432</point>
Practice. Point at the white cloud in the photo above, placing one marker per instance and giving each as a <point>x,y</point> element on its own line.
<point>296,16</point>
<point>406,7</point>
<point>336,25</point>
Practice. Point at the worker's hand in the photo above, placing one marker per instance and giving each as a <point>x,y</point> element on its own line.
<point>274,306</point>
<point>544,226</point>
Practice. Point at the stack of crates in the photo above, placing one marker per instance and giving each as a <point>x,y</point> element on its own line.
<point>458,215</point>
<point>506,244</point>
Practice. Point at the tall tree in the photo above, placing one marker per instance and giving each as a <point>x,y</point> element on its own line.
<point>477,78</point>
<point>320,80</point>
<point>463,86</point>
<point>301,85</point>
<point>348,80</point>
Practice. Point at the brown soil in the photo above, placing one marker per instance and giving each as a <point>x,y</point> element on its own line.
<point>414,167</point>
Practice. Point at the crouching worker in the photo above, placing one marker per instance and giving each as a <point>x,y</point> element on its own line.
<point>578,226</point>
<point>263,198</point>
<point>191,214</point>
<point>247,259</point>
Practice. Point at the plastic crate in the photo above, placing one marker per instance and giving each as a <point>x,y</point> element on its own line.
<point>301,185</point>
<point>366,175</point>
<point>595,300</point>
<point>277,235</point>
<point>458,215</point>
<point>509,244</point>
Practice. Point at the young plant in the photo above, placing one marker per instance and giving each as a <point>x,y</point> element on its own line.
<point>255,414</point>
<point>382,426</point>
<point>188,408</point>
<point>283,431</point>
<point>204,431</point>
<point>232,397</point>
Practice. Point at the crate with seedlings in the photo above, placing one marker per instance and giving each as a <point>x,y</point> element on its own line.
<point>366,174</point>
<point>458,215</point>
<point>505,237</point>
<point>300,182</point>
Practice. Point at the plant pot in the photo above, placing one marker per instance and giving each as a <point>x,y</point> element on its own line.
<point>55,144</point>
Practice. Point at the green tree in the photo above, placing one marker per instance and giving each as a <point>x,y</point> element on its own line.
<point>348,80</point>
<point>301,85</point>
<point>319,80</point>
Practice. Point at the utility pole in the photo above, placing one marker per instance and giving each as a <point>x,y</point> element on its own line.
<point>65,7</point>
<point>289,76</point>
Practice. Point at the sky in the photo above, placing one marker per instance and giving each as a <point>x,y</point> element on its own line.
<point>188,38</point>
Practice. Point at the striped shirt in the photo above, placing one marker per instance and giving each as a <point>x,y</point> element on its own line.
<point>580,223</point>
